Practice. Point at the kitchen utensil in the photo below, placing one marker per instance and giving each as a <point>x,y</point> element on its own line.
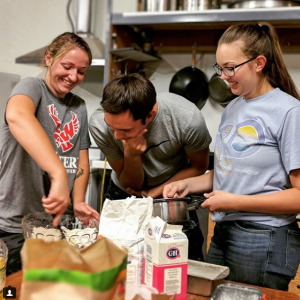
<point>191,83</point>
<point>263,4</point>
<point>219,90</point>
<point>176,210</point>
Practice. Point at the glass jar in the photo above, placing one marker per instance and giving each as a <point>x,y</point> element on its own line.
<point>3,260</point>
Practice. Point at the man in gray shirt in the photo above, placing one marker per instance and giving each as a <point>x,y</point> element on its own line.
<point>149,140</point>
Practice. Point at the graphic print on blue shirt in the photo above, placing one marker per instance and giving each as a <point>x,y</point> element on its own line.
<point>237,142</point>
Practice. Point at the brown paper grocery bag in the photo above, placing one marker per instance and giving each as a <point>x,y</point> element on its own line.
<point>56,270</point>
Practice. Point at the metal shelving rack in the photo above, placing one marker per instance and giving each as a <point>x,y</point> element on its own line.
<point>175,30</point>
<point>291,14</point>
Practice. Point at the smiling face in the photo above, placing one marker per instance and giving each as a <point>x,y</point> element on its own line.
<point>66,72</point>
<point>124,125</point>
<point>246,79</point>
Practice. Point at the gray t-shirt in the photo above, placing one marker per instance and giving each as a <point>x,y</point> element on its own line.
<point>178,127</point>
<point>21,185</point>
<point>256,147</point>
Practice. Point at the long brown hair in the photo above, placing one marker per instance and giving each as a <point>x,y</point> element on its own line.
<point>261,39</point>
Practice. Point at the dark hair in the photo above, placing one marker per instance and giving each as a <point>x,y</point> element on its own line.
<point>261,39</point>
<point>129,92</point>
<point>63,43</point>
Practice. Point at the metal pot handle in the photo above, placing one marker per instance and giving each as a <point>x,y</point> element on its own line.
<point>196,201</point>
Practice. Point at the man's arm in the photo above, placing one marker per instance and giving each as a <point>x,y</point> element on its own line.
<point>130,172</point>
<point>130,169</point>
<point>198,165</point>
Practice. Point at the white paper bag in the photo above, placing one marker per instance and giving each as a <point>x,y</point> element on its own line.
<point>124,222</point>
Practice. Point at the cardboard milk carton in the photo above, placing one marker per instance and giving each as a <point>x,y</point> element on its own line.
<point>165,261</point>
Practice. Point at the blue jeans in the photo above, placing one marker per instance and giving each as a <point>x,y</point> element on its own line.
<point>257,254</point>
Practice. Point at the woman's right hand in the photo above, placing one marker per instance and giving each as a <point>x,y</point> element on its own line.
<point>176,189</point>
<point>58,198</point>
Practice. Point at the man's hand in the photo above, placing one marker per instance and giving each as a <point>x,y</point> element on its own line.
<point>135,146</point>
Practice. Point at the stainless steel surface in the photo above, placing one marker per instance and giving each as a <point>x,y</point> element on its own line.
<point>83,30</point>
<point>176,210</point>
<point>171,211</point>
<point>83,17</point>
<point>219,90</point>
<point>263,4</point>
<point>210,15</point>
<point>234,291</point>
<point>158,5</point>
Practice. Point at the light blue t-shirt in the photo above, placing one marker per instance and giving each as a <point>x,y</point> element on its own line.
<point>257,145</point>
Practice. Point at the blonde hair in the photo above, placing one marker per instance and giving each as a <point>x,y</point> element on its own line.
<point>261,39</point>
<point>65,42</point>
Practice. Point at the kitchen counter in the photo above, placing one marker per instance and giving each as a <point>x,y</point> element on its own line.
<point>15,280</point>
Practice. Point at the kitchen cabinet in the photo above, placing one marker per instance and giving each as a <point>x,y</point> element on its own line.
<point>178,31</point>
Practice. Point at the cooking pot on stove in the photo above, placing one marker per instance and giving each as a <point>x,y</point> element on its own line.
<point>176,210</point>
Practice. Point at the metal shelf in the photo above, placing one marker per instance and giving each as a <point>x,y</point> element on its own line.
<point>291,14</point>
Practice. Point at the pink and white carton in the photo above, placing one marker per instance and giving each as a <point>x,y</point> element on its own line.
<point>165,260</point>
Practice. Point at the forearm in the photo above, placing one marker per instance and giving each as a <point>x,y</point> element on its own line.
<point>132,174</point>
<point>81,178</point>
<point>283,202</point>
<point>196,184</point>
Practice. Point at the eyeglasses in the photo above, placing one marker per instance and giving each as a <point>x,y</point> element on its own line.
<point>229,71</point>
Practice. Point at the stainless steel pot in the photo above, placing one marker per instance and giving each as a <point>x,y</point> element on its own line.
<point>175,210</point>
<point>263,4</point>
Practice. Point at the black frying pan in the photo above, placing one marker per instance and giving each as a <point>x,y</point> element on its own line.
<point>191,83</point>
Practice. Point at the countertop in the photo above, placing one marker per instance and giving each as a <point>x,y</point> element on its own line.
<point>15,280</point>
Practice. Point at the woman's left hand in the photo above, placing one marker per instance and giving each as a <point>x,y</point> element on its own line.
<point>85,212</point>
<point>219,201</point>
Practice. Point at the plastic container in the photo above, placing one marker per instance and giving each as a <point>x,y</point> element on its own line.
<point>3,260</point>
<point>228,291</point>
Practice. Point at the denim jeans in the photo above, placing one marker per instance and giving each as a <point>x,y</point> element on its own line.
<point>257,254</point>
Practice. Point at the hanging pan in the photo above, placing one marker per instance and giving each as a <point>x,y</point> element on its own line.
<point>219,90</point>
<point>191,83</point>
